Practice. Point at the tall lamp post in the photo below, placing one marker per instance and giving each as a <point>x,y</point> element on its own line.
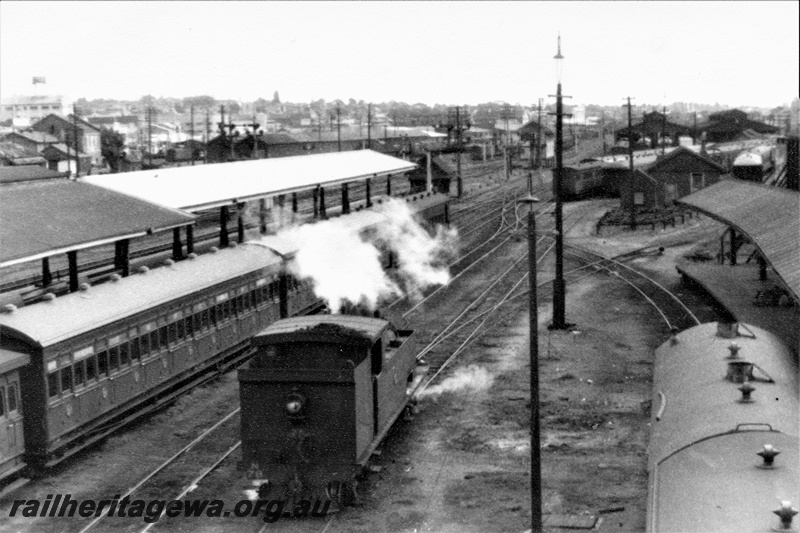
<point>559,320</point>
<point>536,465</point>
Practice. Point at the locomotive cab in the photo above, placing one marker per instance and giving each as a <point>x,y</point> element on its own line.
<point>317,397</point>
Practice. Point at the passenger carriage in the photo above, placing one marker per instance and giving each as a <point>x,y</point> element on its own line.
<point>12,440</point>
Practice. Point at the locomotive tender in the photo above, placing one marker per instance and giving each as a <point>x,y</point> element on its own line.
<point>724,442</point>
<point>75,368</point>
<point>317,398</point>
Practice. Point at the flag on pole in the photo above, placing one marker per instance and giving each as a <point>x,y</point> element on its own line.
<point>38,79</point>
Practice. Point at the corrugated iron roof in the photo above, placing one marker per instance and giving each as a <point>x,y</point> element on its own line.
<point>770,216</point>
<point>193,188</point>
<point>46,217</point>
<point>28,172</point>
<point>35,136</point>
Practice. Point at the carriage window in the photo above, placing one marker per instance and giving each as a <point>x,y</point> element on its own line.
<point>189,326</point>
<point>377,357</point>
<point>180,325</point>
<point>66,379</point>
<point>145,344</point>
<point>79,373</point>
<point>12,397</point>
<point>124,354</point>
<point>2,401</point>
<point>135,351</point>
<point>102,363</point>
<point>52,384</point>
<point>235,303</point>
<point>162,334</point>
<point>172,332</point>
<point>154,341</point>
<point>113,358</point>
<point>227,309</point>
<point>91,369</point>
<point>206,318</point>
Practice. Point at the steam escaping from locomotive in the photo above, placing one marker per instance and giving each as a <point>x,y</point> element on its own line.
<point>345,262</point>
<point>472,378</point>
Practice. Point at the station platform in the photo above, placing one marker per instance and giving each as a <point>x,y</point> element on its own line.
<point>738,289</point>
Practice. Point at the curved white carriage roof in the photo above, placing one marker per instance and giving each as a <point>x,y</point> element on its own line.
<point>67,316</point>
<point>699,403</point>
<point>193,188</point>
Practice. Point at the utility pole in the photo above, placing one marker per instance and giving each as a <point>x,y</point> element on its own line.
<point>77,145</point>
<point>694,132</point>
<point>254,125</point>
<point>191,142</point>
<point>208,135</point>
<point>150,134</point>
<point>459,179</point>
<point>631,196</point>
<point>369,126</point>
<point>506,152</point>
<point>559,296</point>
<point>339,127</point>
<point>663,128</point>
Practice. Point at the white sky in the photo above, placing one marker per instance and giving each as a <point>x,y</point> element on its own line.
<point>734,53</point>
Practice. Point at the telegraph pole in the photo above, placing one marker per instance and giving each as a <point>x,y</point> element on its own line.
<point>77,145</point>
<point>559,296</point>
<point>208,135</point>
<point>150,134</point>
<point>663,128</point>
<point>460,181</point>
<point>191,143</point>
<point>369,126</point>
<point>631,196</point>
<point>339,127</point>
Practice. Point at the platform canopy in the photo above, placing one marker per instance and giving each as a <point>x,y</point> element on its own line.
<point>42,218</point>
<point>194,188</point>
<point>769,216</point>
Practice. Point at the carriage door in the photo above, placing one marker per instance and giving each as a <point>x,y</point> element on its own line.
<point>376,358</point>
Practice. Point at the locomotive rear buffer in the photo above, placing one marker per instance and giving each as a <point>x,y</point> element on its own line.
<point>317,398</point>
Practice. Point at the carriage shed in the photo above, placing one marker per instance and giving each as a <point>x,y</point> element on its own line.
<point>769,216</point>
<point>43,218</point>
<point>232,185</point>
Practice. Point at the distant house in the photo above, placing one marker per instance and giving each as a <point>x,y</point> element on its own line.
<point>12,154</point>
<point>127,126</point>
<point>28,173</point>
<point>31,140</point>
<point>65,130</point>
<point>677,174</point>
<point>61,158</point>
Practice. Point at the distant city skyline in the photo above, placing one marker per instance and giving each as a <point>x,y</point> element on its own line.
<point>731,53</point>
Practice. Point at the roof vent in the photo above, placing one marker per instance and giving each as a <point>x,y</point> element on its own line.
<point>9,308</point>
<point>169,262</point>
<point>727,330</point>
<point>84,286</point>
<point>734,349</point>
<point>143,269</point>
<point>192,256</point>
<point>48,297</point>
<point>768,453</point>
<point>786,513</point>
<point>747,390</point>
<point>739,371</point>
<point>213,249</point>
<point>115,277</point>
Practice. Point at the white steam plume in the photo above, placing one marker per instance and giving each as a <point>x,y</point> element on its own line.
<point>345,266</point>
<point>473,378</point>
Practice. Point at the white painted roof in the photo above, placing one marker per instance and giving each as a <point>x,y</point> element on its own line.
<point>193,188</point>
